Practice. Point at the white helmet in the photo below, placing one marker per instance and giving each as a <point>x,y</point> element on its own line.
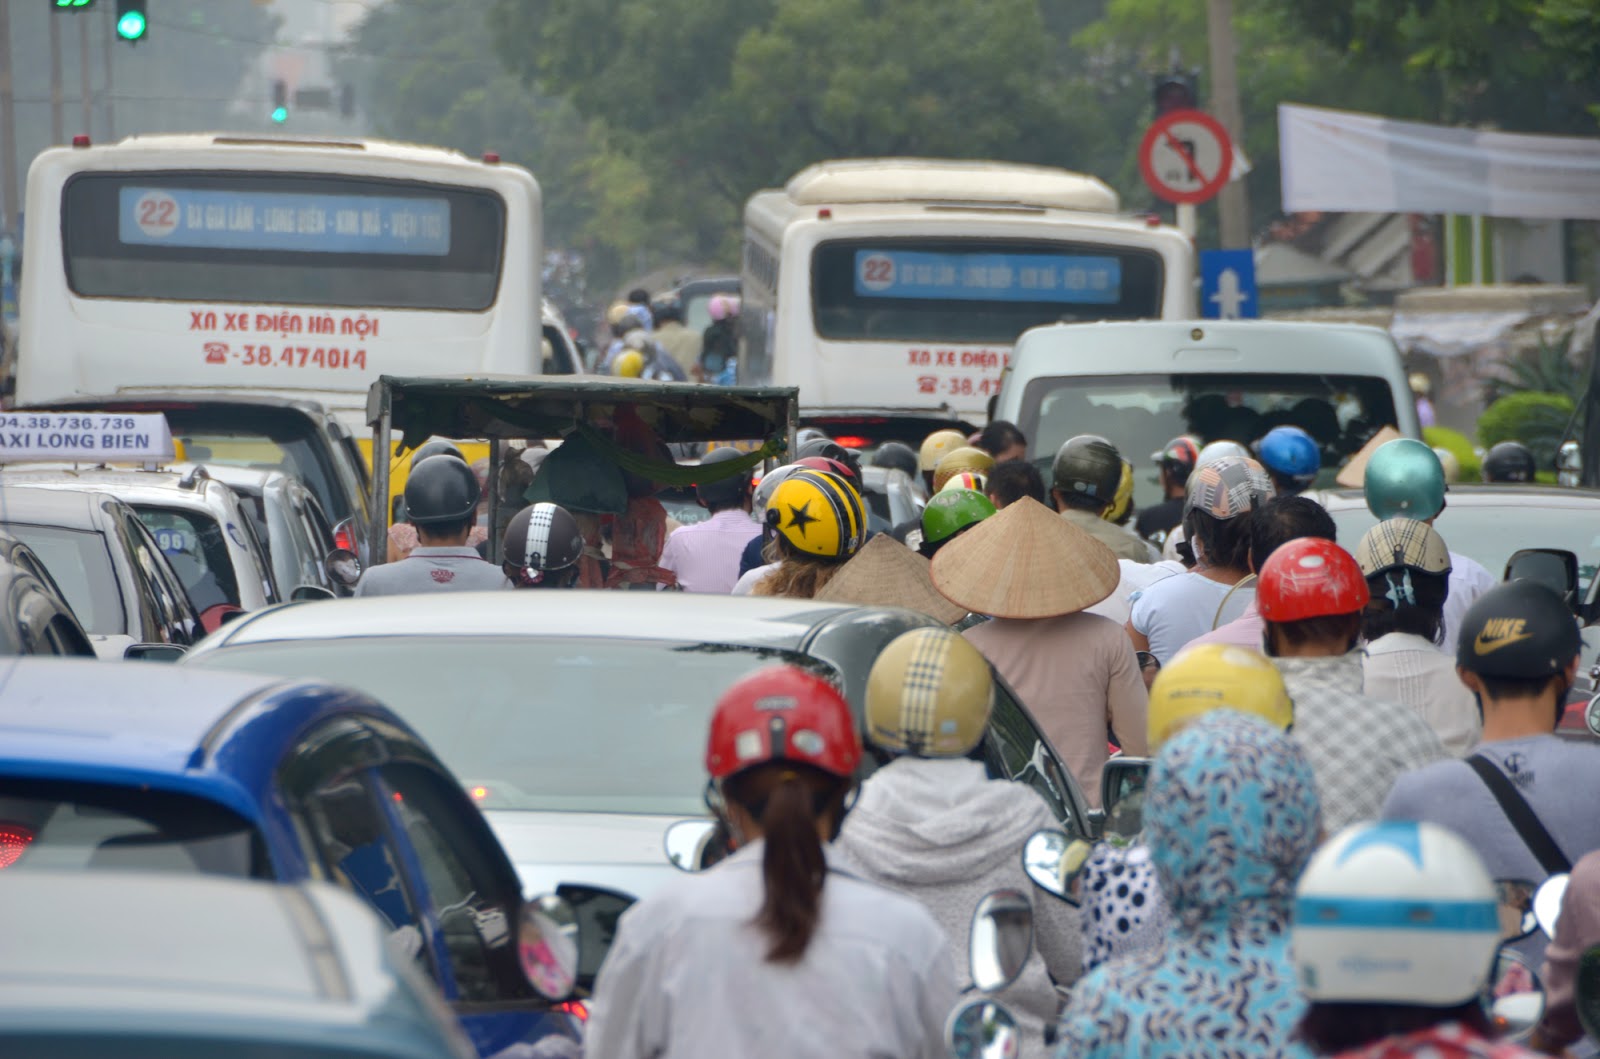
<point>1398,912</point>
<point>1218,449</point>
<point>768,483</point>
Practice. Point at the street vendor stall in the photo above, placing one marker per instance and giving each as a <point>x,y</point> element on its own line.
<point>625,421</point>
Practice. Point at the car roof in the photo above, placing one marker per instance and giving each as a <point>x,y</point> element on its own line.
<point>302,961</point>
<point>35,505</point>
<point>128,484</point>
<point>1481,495</point>
<point>156,400</point>
<point>1272,347</point>
<point>674,616</point>
<point>209,732</point>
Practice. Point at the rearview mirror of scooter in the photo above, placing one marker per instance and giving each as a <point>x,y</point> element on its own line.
<point>1053,861</point>
<point>1516,997</point>
<point>548,946</point>
<point>1122,781</point>
<point>982,1029</point>
<point>1555,568</point>
<point>1515,898</point>
<point>1001,939</point>
<point>690,844</point>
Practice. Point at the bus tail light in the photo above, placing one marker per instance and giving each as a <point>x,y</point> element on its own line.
<point>14,842</point>
<point>851,441</point>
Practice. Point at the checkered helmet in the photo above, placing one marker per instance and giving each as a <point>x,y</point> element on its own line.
<point>1227,488</point>
<point>929,694</point>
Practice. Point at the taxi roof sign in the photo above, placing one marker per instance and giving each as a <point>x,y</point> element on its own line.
<point>85,437</point>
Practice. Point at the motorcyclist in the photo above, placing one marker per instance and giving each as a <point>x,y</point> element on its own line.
<point>931,823</point>
<point>958,461</point>
<point>1407,983</point>
<point>934,447</point>
<point>705,556</point>
<point>949,515</point>
<point>1002,440</point>
<point>542,547</point>
<point>1509,461</point>
<point>1404,479</point>
<point>441,501</point>
<point>1407,567</point>
<point>719,342</point>
<point>1175,463</point>
<point>899,456</point>
<point>1176,545</point>
<point>820,521</point>
<point>1083,484</point>
<point>752,556</point>
<point>885,573</point>
<point>403,535</point>
<point>1231,816</point>
<point>1292,458</point>
<point>779,950</point>
<point>1126,912</point>
<point>1311,596</point>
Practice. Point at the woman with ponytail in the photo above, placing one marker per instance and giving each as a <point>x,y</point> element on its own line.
<point>778,951</point>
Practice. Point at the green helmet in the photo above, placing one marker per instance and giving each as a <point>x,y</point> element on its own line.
<point>1404,479</point>
<point>952,511</point>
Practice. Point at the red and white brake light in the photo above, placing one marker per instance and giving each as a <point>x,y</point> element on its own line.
<point>14,842</point>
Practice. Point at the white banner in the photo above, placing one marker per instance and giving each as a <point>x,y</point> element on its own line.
<point>1341,162</point>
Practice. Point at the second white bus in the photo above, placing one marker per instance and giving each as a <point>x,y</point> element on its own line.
<point>902,283</point>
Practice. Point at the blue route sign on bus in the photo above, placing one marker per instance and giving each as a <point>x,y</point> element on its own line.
<point>247,220</point>
<point>1065,278</point>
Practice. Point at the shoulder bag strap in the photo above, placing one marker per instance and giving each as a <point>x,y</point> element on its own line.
<point>1521,815</point>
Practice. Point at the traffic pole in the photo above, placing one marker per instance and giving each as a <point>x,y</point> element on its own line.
<point>86,90</point>
<point>111,99</point>
<point>58,133</point>
<point>1233,200</point>
<point>8,125</point>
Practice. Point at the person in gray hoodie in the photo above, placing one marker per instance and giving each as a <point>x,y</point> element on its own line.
<point>932,824</point>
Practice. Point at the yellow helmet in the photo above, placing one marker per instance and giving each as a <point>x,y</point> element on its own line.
<point>1124,496</point>
<point>970,480</point>
<point>929,694</point>
<point>1214,676</point>
<point>819,513</point>
<point>617,313</point>
<point>966,458</point>
<point>628,365</point>
<point>935,445</point>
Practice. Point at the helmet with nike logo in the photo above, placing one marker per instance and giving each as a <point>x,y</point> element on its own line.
<point>1520,629</point>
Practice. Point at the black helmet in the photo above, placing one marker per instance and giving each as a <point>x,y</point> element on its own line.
<point>441,490</point>
<point>1518,629</point>
<point>542,538</point>
<point>436,447</point>
<point>722,491</point>
<point>1087,465</point>
<point>899,456</point>
<point>829,449</point>
<point>1509,461</point>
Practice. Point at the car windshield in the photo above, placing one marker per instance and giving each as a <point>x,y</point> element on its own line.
<point>54,825</point>
<point>194,545</point>
<point>1491,533</point>
<point>565,725</point>
<point>81,566</point>
<point>1139,414</point>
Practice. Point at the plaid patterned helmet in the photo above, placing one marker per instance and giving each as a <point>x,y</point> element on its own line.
<point>929,694</point>
<point>1402,542</point>
<point>1228,488</point>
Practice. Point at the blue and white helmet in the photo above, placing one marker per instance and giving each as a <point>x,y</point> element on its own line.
<point>1399,912</point>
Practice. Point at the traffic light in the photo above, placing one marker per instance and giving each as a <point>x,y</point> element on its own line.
<point>280,101</point>
<point>132,21</point>
<point>1176,91</point>
<point>71,5</point>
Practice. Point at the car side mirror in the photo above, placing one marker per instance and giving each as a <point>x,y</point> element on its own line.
<point>1000,940</point>
<point>343,567</point>
<point>598,910</point>
<point>547,946</point>
<point>1555,568</point>
<point>153,652</point>
<point>1054,862</point>
<point>1122,781</point>
<point>691,844</point>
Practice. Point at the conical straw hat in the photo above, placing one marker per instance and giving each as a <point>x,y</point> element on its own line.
<point>1025,562</point>
<point>885,573</point>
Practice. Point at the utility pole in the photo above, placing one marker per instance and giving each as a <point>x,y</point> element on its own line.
<point>8,125</point>
<point>58,133</point>
<point>105,46</point>
<point>1234,202</point>
<point>86,90</point>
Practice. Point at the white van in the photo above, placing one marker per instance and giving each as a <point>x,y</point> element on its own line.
<point>1142,384</point>
<point>901,283</point>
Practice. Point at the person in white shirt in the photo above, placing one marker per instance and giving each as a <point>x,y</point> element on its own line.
<point>1407,567</point>
<point>780,951</point>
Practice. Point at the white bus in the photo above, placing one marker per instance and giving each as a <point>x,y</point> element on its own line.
<point>901,283</point>
<point>286,267</point>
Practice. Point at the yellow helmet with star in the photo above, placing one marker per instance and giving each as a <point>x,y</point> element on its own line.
<point>818,513</point>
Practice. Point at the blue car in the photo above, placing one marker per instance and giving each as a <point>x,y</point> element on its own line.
<point>153,768</point>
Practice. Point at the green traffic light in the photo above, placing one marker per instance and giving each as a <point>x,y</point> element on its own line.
<point>131,25</point>
<point>280,114</point>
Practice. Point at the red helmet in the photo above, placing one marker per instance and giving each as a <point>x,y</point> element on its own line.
<point>1310,578</point>
<point>839,467</point>
<point>782,713</point>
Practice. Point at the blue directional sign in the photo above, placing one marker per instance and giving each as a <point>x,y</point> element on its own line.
<point>1228,285</point>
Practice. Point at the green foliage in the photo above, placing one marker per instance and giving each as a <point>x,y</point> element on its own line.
<point>1459,446</point>
<point>1547,368</point>
<point>1538,420</point>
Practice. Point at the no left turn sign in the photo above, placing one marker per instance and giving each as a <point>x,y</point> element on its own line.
<point>1186,157</point>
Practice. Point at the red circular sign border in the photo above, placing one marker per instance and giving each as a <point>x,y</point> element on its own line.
<point>1147,148</point>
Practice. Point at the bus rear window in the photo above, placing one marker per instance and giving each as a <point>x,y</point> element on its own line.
<point>282,238</point>
<point>916,290</point>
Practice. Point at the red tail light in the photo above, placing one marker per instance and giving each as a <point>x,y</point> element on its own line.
<point>14,841</point>
<point>852,442</point>
<point>344,535</point>
<point>576,1008</point>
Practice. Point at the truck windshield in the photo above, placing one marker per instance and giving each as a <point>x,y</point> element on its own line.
<point>1139,414</point>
